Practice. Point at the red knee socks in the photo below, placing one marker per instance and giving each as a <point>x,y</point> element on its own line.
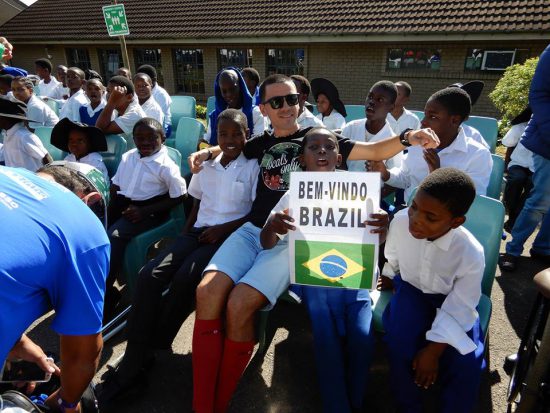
<point>236,356</point>
<point>206,357</point>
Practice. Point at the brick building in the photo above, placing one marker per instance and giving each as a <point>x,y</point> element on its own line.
<point>354,43</point>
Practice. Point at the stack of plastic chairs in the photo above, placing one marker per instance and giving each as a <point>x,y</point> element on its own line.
<point>116,146</point>
<point>187,137</point>
<point>182,106</point>
<point>45,133</point>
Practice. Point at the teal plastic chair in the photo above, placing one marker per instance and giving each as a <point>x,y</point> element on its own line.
<point>355,112</point>
<point>182,106</point>
<point>210,106</point>
<point>187,137</point>
<point>484,220</point>
<point>53,105</point>
<point>494,189</point>
<point>488,127</point>
<point>419,114</point>
<point>135,256</point>
<point>116,146</point>
<point>45,133</point>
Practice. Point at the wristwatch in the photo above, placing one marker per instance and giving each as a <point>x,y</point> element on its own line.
<point>404,137</point>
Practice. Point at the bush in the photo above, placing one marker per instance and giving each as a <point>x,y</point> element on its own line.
<point>511,94</point>
<point>201,112</point>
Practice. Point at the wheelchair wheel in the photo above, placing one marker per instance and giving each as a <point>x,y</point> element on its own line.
<point>528,383</point>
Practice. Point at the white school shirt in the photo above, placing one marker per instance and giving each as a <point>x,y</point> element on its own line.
<point>94,159</point>
<point>22,148</point>
<point>464,153</point>
<point>407,120</point>
<point>308,119</point>
<point>452,265</point>
<point>142,178</point>
<point>474,134</point>
<point>334,121</point>
<point>226,194</point>
<point>153,110</point>
<point>521,156</point>
<point>129,118</point>
<point>40,113</point>
<point>257,119</point>
<point>72,105</point>
<point>49,90</point>
<point>164,100</point>
<point>356,130</point>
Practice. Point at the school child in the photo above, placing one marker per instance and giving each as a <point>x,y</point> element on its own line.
<point>146,186</point>
<point>22,148</point>
<point>340,318</point>
<point>77,98</point>
<point>444,113</point>
<point>231,93</point>
<point>5,86</point>
<point>161,96</point>
<point>40,113</point>
<point>89,113</point>
<point>61,76</point>
<point>520,168</point>
<point>435,267</point>
<point>83,142</point>
<point>252,79</point>
<point>400,118</point>
<point>375,127</point>
<point>143,86</point>
<point>122,110</point>
<point>306,119</point>
<point>223,192</point>
<point>332,111</point>
<point>48,86</point>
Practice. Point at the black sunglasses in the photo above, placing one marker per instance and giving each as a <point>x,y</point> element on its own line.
<point>277,102</point>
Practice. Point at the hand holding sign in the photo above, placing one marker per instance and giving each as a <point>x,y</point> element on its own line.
<point>280,222</point>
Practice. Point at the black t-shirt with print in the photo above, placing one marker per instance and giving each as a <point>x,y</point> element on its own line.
<point>278,157</point>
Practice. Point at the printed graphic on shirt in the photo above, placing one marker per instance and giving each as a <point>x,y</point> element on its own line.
<point>277,164</point>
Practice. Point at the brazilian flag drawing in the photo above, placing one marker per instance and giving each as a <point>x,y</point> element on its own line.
<point>330,264</point>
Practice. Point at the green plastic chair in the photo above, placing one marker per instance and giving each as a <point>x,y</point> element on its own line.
<point>135,256</point>
<point>116,146</point>
<point>187,137</point>
<point>355,112</point>
<point>494,189</point>
<point>45,133</point>
<point>182,106</point>
<point>53,105</point>
<point>484,220</point>
<point>210,106</point>
<point>488,127</point>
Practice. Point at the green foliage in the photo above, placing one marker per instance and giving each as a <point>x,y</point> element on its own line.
<point>511,93</point>
<point>201,112</point>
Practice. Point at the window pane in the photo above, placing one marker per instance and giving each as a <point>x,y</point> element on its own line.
<point>414,59</point>
<point>78,58</point>
<point>285,61</point>
<point>238,58</point>
<point>110,61</point>
<point>189,72</point>
<point>149,57</point>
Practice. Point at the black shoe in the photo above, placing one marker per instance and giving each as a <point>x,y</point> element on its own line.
<point>509,363</point>
<point>538,256</point>
<point>507,262</point>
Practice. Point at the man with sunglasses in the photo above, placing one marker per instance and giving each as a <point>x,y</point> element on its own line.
<point>54,254</point>
<point>242,278</point>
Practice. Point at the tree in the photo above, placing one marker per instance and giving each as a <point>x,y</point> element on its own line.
<point>511,94</point>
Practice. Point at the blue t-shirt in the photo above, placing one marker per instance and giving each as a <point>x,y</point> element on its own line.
<point>54,252</point>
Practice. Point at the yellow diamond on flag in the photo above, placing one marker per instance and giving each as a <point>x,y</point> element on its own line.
<point>333,266</point>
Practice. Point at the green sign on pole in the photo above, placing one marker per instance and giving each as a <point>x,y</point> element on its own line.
<point>115,19</point>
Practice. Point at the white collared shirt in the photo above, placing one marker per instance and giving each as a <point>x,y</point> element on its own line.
<point>50,90</point>
<point>452,265</point>
<point>464,153</point>
<point>91,111</point>
<point>474,134</point>
<point>144,178</point>
<point>308,119</point>
<point>226,194</point>
<point>407,120</point>
<point>129,118</point>
<point>356,130</point>
<point>153,110</point>
<point>521,156</point>
<point>94,159</point>
<point>40,113</point>
<point>334,121</point>
<point>257,119</point>
<point>22,148</point>
<point>164,100</point>
<point>72,105</point>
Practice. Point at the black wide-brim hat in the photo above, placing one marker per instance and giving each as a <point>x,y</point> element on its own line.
<point>473,89</point>
<point>60,135</point>
<point>523,117</point>
<point>327,88</point>
<point>13,109</point>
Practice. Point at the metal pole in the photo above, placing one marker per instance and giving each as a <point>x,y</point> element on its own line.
<point>125,58</point>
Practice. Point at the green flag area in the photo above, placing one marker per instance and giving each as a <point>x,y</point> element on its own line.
<point>330,264</point>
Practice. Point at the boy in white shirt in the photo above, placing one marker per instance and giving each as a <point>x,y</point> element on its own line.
<point>400,118</point>
<point>75,80</point>
<point>144,86</point>
<point>48,86</point>
<point>40,113</point>
<point>435,267</point>
<point>444,113</point>
<point>122,106</point>
<point>306,119</point>
<point>160,95</point>
<point>90,112</point>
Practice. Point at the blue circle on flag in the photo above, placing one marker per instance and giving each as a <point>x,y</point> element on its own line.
<point>333,266</point>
